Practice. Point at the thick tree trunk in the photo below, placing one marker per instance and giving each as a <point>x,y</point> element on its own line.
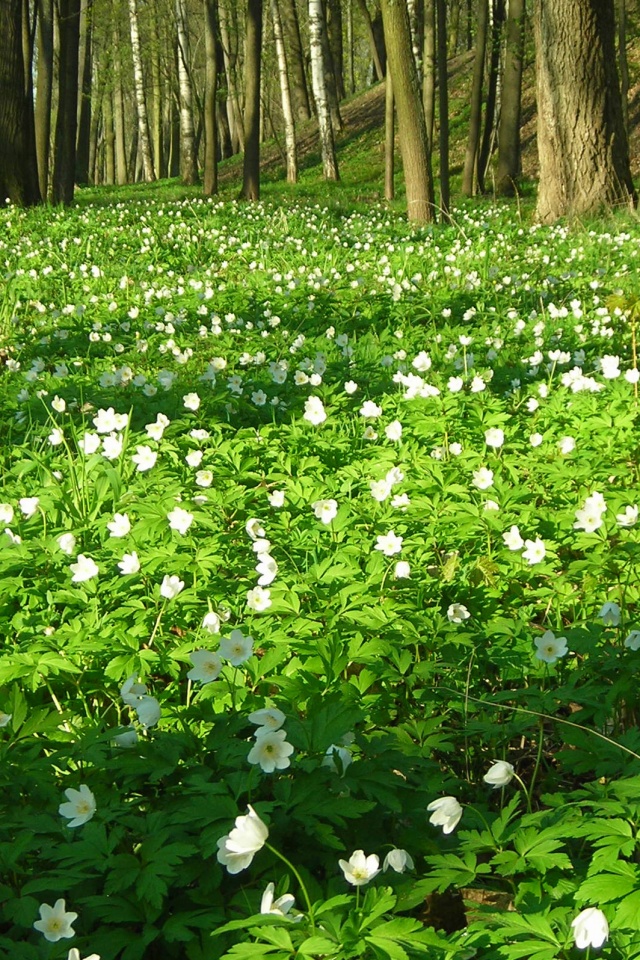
<point>488,134</point>
<point>318,76</point>
<point>84,109</point>
<point>295,60</point>
<point>64,161</point>
<point>443,108</point>
<point>389,140</point>
<point>375,55</point>
<point>470,172</point>
<point>252,63</point>
<point>411,127</point>
<point>509,129</point>
<point>210,171</point>
<point>582,142</point>
<point>18,168</point>
<point>334,36</point>
<point>188,158</point>
<point>287,108</point>
<point>622,60</point>
<point>44,89</point>
<point>144,139</point>
<point>429,68</point>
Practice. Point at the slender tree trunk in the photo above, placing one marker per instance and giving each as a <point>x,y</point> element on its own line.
<point>411,127</point>
<point>351,48</point>
<point>623,62</point>
<point>118,109</point>
<point>470,172</point>
<point>144,139</point>
<point>295,60</point>
<point>287,108</point>
<point>389,140</point>
<point>334,36</point>
<point>252,62</point>
<point>188,158</point>
<point>157,93</point>
<point>509,129</point>
<point>368,23</point>
<point>469,25</point>
<point>44,89</point>
<point>224,134</point>
<point>97,123</point>
<point>174,136</point>
<point>18,166</point>
<point>443,107</point>
<point>84,110</point>
<point>488,135</point>
<point>429,68</point>
<point>210,172</point>
<point>454,27</point>
<point>329,73</point>
<point>64,161</point>
<point>233,101</point>
<point>318,75</point>
<point>109,139</point>
<point>582,142</point>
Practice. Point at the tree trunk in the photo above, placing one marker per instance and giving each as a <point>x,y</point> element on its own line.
<point>351,48</point>
<point>295,60</point>
<point>389,140</point>
<point>109,139</point>
<point>622,60</point>
<point>252,57</point>
<point>229,54</point>
<point>454,28</point>
<point>329,73</point>
<point>429,68</point>
<point>118,109</point>
<point>582,142</point>
<point>210,172</point>
<point>141,100</point>
<point>368,23</point>
<point>44,89</point>
<point>443,108</point>
<point>287,108</point>
<point>318,76</point>
<point>18,167</point>
<point>470,172</point>
<point>84,111</point>
<point>488,135</point>
<point>188,158</point>
<point>334,36</point>
<point>411,127</point>
<point>97,121</point>
<point>64,160</point>
<point>509,129</point>
<point>157,96</point>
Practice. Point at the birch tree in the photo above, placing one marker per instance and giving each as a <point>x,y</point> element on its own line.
<point>285,93</point>
<point>144,140</point>
<point>210,171</point>
<point>317,28</point>
<point>188,159</point>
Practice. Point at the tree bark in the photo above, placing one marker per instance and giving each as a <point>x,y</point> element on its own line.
<point>622,60</point>
<point>118,109</point>
<point>334,36</point>
<point>252,62</point>
<point>157,96</point>
<point>144,139</point>
<point>389,140</point>
<point>411,126</point>
<point>188,158</point>
<point>582,142</point>
<point>470,172</point>
<point>109,139</point>
<point>454,28</point>
<point>329,73</point>
<point>443,108</point>
<point>18,167</point>
<point>509,128</point>
<point>64,161</point>
<point>44,90</point>
<point>210,172</point>
<point>429,68</point>
<point>318,77</point>
<point>287,108</point>
<point>488,134</point>
<point>84,112</point>
<point>295,60</point>
<point>375,55</point>
<point>229,53</point>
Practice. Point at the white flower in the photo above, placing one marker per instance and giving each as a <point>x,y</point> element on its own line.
<point>369,433</point>
<point>127,739</point>
<point>28,505</point>
<point>108,421</point>
<point>400,502</point>
<point>359,869</point>
<point>84,569</point>
<point>55,922</point>
<point>12,536</point>
<point>393,430</point>
<point>340,753</point>
<point>211,622</point>
<point>370,409</point>
<point>380,489</point>
<point>590,928</point>
<point>80,805</point>
<point>610,614</point>
<point>89,444</point>
<point>6,513</point>
<point>254,528</point>
<point>148,710</point>
<point>180,520</point>
<point>457,612</point>
<point>206,666</point>
<point>5,718</point>
<point>129,564</point>
<point>536,439</point>
<point>455,448</point>
<point>632,642</point>
<point>67,543</point>
<point>279,907</point>
<point>402,570</point>
<point>112,446</point>
<point>455,384</point>
<point>269,717</point>
<point>267,568</point>
<point>58,404</point>
<point>550,647</point>
<point>194,458</point>
<point>483,478</point>
<point>144,458</point>
<point>445,812</point>
<point>236,648</point>
<point>399,860</point>
<point>314,411</point>
<point>237,849</point>
<point>191,401</point>
<point>74,954</point>
<point>258,599</point>
<point>627,519</point>
<point>500,774</point>
<point>389,544</point>
<point>350,387</point>
<point>512,539</point>
<point>171,586</point>
<point>271,750</point>
<point>204,478</point>
<point>566,445</point>
<point>120,525</point>
<point>494,437</point>
<point>56,437</point>
<point>276,498</point>
<point>534,552</point>
<point>325,510</point>
<point>589,516</point>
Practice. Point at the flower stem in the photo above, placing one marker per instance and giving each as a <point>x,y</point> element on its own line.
<point>296,874</point>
